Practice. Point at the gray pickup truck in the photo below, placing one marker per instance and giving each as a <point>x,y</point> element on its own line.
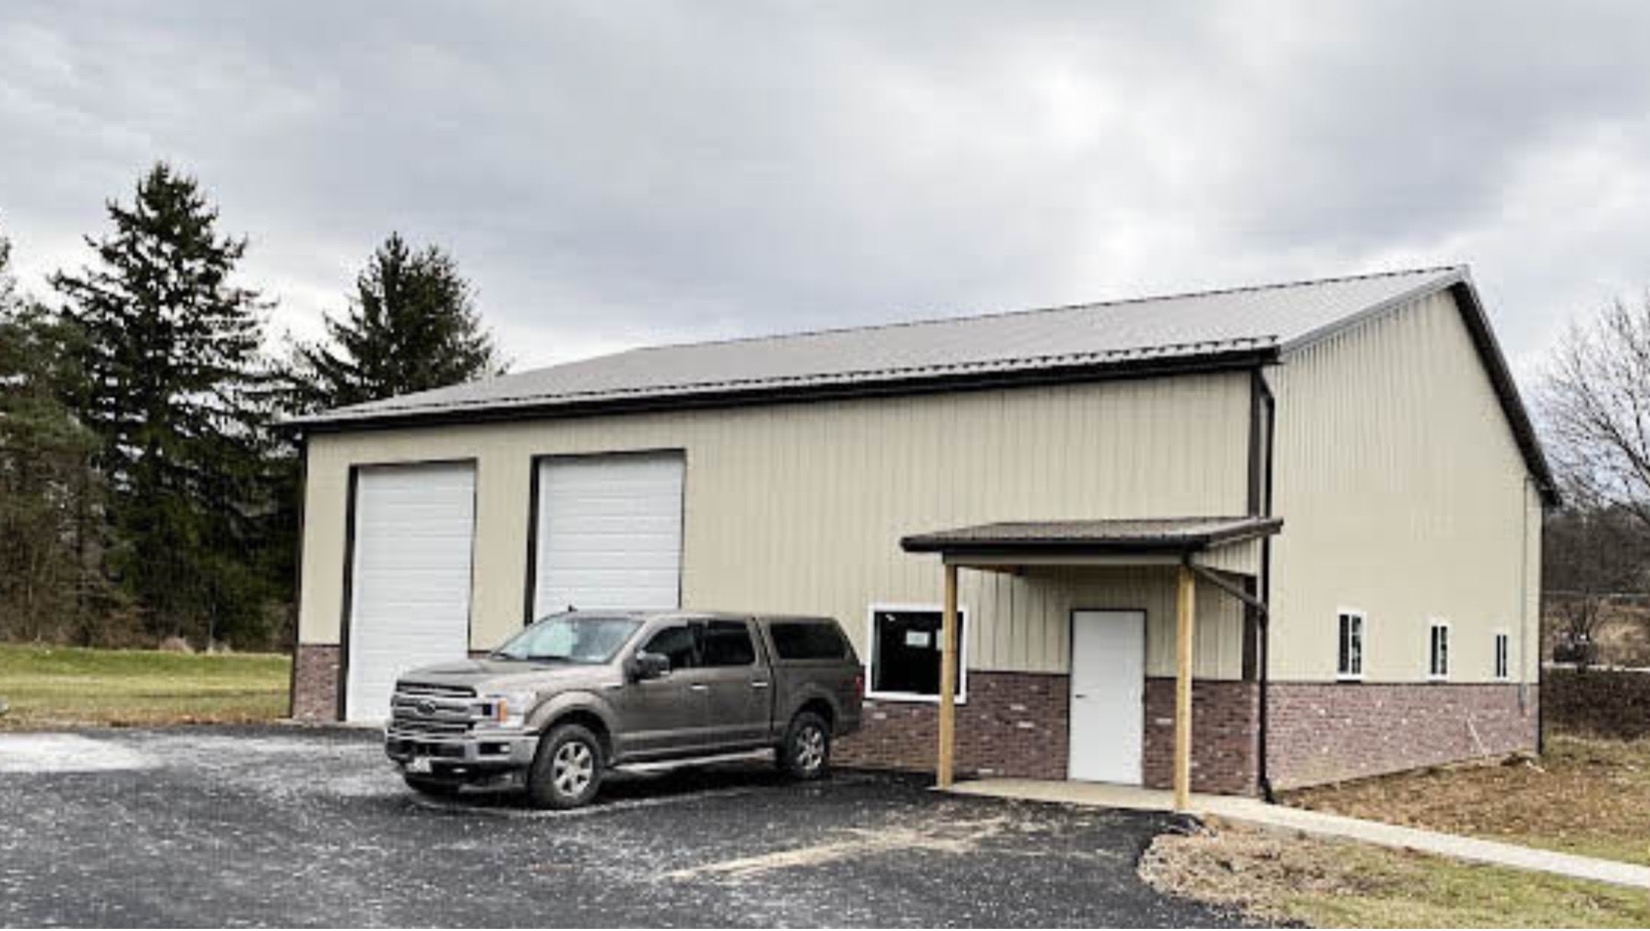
<point>577,693</point>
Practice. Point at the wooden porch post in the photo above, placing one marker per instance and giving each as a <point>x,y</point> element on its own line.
<point>1185,618</point>
<point>948,682</point>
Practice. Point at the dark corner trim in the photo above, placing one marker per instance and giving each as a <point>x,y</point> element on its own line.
<point>300,494</point>
<point>1506,390</point>
<point>347,600</point>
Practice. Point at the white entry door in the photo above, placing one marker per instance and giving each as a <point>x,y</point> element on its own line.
<point>609,532</point>
<point>409,579</point>
<point>1108,695</point>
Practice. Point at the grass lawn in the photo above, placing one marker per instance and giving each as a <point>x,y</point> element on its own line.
<point>50,687</point>
<point>1584,796</point>
<point>1279,879</point>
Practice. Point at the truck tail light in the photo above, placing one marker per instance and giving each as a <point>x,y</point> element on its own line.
<point>859,685</point>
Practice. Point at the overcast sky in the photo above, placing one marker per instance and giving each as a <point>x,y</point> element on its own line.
<point>615,174</point>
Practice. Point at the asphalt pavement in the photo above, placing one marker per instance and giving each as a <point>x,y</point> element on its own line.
<point>293,826</point>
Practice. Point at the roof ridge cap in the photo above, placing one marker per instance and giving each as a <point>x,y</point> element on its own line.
<point>1049,309</point>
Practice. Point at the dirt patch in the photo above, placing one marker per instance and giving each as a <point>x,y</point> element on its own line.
<point>1280,879</point>
<point>1584,796</point>
<point>1252,872</point>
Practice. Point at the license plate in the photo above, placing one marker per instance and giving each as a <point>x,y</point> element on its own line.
<point>418,764</point>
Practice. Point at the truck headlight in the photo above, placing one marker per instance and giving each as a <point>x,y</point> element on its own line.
<point>505,709</point>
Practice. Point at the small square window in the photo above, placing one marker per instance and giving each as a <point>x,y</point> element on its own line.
<point>1350,657</point>
<point>905,653</point>
<point>1503,645</point>
<point>1438,660</point>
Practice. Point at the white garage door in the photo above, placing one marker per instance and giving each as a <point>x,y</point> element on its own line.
<point>609,533</point>
<point>410,579</point>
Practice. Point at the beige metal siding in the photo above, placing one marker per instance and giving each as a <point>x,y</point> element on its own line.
<point>1404,495</point>
<point>800,507</point>
<point>1243,558</point>
<point>1218,640</point>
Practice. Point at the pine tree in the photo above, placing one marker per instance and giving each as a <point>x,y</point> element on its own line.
<point>411,326</point>
<point>49,494</point>
<point>173,381</point>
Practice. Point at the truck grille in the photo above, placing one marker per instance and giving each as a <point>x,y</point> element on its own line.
<point>422,688</point>
<point>412,727</point>
<point>422,710</point>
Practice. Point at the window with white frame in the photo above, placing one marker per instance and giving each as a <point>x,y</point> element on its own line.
<point>1349,663</point>
<point>1438,658</point>
<point>1503,649</point>
<point>904,661</point>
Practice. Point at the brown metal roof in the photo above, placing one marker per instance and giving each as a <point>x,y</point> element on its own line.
<point>1233,327</point>
<point>1162,534</point>
<point>1166,329</point>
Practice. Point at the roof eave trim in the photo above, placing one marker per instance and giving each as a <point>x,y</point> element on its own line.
<point>1227,360</point>
<point>1189,543</point>
<point>1506,390</point>
<point>1062,547</point>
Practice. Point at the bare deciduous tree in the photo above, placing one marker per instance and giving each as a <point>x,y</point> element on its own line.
<point>1591,554</point>
<point>1596,404</point>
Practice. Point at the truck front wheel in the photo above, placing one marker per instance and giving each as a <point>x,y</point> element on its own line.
<point>567,769</point>
<point>806,752</point>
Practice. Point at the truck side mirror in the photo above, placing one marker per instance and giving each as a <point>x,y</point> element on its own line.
<point>645,665</point>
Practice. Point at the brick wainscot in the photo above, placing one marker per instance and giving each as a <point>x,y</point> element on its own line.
<point>1326,732</point>
<point>1016,724</point>
<point>315,682</point>
<point>1225,736</point>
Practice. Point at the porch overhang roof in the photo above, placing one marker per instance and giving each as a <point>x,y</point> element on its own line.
<point>1153,536</point>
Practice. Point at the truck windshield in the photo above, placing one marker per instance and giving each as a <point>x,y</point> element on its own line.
<point>570,639</point>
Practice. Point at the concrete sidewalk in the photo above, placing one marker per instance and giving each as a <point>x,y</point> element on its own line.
<point>1257,813</point>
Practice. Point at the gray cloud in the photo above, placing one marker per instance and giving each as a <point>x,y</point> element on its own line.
<point>619,174</point>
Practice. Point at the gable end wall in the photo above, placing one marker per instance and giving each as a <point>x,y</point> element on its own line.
<point>1404,494</point>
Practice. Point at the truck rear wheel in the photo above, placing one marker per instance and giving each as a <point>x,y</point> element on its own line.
<point>567,769</point>
<point>806,752</point>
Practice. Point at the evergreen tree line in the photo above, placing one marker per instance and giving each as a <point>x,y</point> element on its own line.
<point>147,489</point>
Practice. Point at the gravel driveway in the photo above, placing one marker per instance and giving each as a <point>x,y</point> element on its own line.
<point>291,826</point>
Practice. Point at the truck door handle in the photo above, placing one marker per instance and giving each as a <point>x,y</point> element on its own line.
<point>759,684</point>
<point>698,687</point>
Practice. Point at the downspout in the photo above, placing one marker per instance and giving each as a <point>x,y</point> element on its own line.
<point>1262,613</point>
<point>1264,660</point>
<point>1266,416</point>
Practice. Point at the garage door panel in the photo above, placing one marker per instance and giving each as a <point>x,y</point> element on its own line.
<point>572,544</point>
<point>609,532</point>
<point>410,577</point>
<point>644,512</point>
<point>652,531</point>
